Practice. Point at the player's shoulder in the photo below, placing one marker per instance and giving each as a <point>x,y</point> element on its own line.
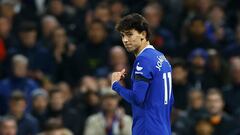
<point>149,54</point>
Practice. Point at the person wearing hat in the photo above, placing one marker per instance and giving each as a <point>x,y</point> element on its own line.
<point>111,120</point>
<point>39,106</point>
<point>27,124</point>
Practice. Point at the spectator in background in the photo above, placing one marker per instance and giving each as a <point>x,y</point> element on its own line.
<point>37,55</point>
<point>217,31</point>
<point>195,36</point>
<point>7,10</point>
<point>79,19</point>
<point>198,75</point>
<point>8,126</point>
<point>234,48</point>
<point>53,127</point>
<point>39,106</point>
<point>184,125</point>
<point>61,53</point>
<point>66,90</point>
<point>56,104</point>
<point>222,122</point>
<point>162,38</point>
<point>85,102</point>
<point>232,94</point>
<point>180,82</point>
<point>27,124</point>
<point>5,32</point>
<point>217,69</point>
<point>5,42</point>
<point>58,10</point>
<point>90,53</point>
<point>103,13</point>
<point>117,60</point>
<point>203,127</point>
<point>203,6</point>
<point>18,80</point>
<point>111,121</point>
<point>48,24</point>
<point>117,10</point>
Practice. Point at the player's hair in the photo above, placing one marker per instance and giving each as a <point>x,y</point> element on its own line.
<point>134,21</point>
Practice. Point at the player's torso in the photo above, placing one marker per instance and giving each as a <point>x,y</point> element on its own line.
<point>157,104</point>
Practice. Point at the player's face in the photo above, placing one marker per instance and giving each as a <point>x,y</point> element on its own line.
<point>132,39</point>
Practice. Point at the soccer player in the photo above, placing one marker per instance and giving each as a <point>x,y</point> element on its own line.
<point>151,94</point>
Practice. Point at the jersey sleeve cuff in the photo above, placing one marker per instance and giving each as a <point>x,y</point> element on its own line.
<point>116,86</point>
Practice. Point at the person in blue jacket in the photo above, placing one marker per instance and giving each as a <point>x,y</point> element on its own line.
<point>18,80</point>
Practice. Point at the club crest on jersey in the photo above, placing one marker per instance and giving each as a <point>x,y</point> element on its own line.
<point>138,68</point>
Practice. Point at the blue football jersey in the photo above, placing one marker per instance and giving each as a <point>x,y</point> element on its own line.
<point>152,116</point>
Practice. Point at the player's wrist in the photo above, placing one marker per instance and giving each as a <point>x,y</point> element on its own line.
<point>115,85</point>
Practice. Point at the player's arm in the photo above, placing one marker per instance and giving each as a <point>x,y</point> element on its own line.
<point>134,96</point>
<point>142,77</point>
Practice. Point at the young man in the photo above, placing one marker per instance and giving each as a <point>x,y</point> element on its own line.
<point>151,94</point>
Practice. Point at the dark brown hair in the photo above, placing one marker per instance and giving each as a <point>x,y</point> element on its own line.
<point>134,21</point>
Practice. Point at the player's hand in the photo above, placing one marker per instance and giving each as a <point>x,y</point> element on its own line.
<point>117,76</point>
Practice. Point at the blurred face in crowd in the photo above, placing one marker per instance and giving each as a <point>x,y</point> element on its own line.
<point>117,8</point>
<point>203,6</point>
<point>197,28</point>
<point>190,4</point>
<point>66,90</point>
<point>97,33</point>
<point>88,83</point>
<point>40,103</point>
<point>109,103</point>
<point>28,38</point>
<point>8,127</point>
<point>103,13</point>
<point>118,56</point>
<point>153,13</point>
<point>132,39</point>
<point>104,83</point>
<point>20,69</point>
<point>56,7</point>
<point>216,15</point>
<point>79,3</point>
<point>195,99</point>
<point>59,38</point>
<point>93,99</point>
<point>198,62</point>
<point>5,27</point>
<point>214,103</point>
<point>203,127</point>
<point>235,70</point>
<point>179,75</point>
<point>215,62</point>
<point>7,10</point>
<point>48,25</point>
<point>17,107</point>
<point>57,101</point>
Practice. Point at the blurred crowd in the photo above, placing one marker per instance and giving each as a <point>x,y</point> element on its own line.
<point>56,57</point>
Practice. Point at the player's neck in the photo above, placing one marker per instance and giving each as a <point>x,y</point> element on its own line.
<point>142,46</point>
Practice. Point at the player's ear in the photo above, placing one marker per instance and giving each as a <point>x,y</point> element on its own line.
<point>144,34</point>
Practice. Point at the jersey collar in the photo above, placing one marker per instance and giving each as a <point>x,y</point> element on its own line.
<point>148,46</point>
